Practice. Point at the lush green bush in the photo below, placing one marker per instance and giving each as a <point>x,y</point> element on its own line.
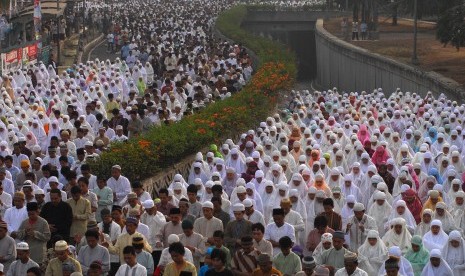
<point>161,147</point>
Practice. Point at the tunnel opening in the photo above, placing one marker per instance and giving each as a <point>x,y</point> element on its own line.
<point>303,44</point>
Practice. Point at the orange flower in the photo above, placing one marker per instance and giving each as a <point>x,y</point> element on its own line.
<point>144,143</point>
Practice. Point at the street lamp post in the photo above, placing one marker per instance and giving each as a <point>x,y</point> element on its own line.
<point>415,60</point>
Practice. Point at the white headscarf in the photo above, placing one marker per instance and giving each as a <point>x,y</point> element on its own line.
<point>443,269</point>
<point>402,240</point>
<point>455,256</point>
<point>407,215</point>
<point>372,257</point>
<point>380,212</point>
<point>405,268</point>
<point>431,241</point>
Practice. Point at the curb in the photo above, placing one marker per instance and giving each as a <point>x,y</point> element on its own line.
<point>88,46</point>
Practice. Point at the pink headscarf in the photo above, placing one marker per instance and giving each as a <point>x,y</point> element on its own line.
<point>380,156</point>
<point>363,134</point>
<point>413,175</point>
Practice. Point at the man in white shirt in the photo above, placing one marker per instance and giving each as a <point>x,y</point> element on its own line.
<point>7,185</point>
<point>141,227</point>
<point>131,267</point>
<point>154,220</point>
<point>111,230</point>
<point>14,216</point>
<point>118,184</point>
<point>5,200</point>
<point>278,229</point>
<point>251,214</point>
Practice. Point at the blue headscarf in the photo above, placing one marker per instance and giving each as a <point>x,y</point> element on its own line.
<point>432,134</point>
<point>434,172</point>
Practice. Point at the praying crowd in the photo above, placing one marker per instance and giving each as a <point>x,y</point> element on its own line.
<point>338,183</point>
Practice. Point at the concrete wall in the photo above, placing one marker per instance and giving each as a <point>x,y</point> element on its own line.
<point>350,68</point>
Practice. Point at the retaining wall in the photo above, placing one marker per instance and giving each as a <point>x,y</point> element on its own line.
<point>351,68</point>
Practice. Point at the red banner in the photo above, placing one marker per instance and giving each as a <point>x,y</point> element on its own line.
<point>13,55</point>
<point>32,51</point>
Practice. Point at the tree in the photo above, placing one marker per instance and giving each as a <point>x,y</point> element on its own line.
<point>451,27</point>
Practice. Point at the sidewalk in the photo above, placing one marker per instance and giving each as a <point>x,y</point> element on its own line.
<point>69,48</point>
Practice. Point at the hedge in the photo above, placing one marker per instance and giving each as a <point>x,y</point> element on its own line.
<point>161,147</point>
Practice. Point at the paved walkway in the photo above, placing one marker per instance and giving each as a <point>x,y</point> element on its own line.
<point>397,42</point>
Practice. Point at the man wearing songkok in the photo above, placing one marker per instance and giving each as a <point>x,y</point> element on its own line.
<point>437,265</point>
<point>237,228</point>
<point>23,262</point>
<point>358,226</point>
<point>265,266</point>
<point>14,216</point>
<point>278,229</point>
<point>334,257</point>
<point>92,252</point>
<point>308,267</point>
<point>244,261</point>
<point>172,227</point>
<point>294,219</point>
<point>35,231</point>
<point>207,224</point>
<point>143,257</point>
<point>350,266</point>
<point>63,261</point>
<point>141,228</point>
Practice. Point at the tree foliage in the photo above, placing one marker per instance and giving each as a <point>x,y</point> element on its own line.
<point>451,27</point>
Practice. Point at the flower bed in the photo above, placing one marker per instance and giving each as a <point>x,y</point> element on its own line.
<point>161,147</point>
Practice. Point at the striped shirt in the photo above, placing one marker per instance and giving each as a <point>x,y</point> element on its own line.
<point>245,262</point>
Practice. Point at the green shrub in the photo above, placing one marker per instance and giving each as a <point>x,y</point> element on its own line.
<point>161,147</point>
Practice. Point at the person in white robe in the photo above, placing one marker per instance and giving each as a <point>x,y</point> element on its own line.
<point>436,238</point>
<point>437,265</point>
<point>380,211</point>
<point>326,243</point>
<point>398,235</point>
<point>372,253</point>
<point>442,214</point>
<point>400,210</point>
<point>454,253</point>
<point>405,268</point>
<point>425,225</point>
